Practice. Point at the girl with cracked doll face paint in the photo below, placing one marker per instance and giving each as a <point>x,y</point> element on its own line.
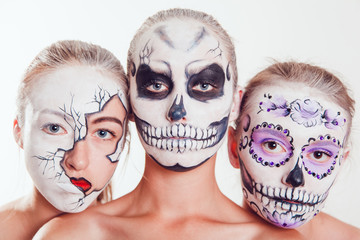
<point>73,135</point>
<point>181,93</point>
<point>71,124</point>
<point>290,146</point>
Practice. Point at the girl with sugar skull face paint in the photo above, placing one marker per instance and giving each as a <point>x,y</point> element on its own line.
<point>71,124</point>
<point>182,74</point>
<point>290,144</point>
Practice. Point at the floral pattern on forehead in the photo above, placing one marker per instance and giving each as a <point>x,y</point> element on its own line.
<point>307,112</point>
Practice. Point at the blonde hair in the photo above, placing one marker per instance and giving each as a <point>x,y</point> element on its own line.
<point>295,72</point>
<point>64,53</point>
<point>179,13</point>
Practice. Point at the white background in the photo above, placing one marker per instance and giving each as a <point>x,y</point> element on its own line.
<point>322,32</point>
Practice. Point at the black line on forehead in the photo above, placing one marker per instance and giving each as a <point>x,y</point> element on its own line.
<point>199,36</point>
<point>160,31</point>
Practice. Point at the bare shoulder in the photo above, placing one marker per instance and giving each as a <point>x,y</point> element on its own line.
<point>326,226</point>
<point>73,226</point>
<point>93,223</point>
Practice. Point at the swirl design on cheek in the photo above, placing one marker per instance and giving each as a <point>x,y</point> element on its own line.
<point>320,156</point>
<point>271,145</point>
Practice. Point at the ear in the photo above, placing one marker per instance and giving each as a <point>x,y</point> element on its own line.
<point>17,133</point>
<point>346,154</point>
<point>235,108</point>
<point>232,148</point>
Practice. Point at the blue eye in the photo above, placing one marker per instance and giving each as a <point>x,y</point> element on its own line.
<point>104,134</point>
<point>203,87</point>
<point>53,129</point>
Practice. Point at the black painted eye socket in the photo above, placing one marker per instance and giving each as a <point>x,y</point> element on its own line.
<point>207,84</point>
<point>151,84</point>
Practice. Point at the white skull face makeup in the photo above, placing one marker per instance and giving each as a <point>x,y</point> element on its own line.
<point>290,149</point>
<point>73,135</point>
<point>181,93</point>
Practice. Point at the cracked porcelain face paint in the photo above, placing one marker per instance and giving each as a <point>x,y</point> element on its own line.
<point>181,93</point>
<point>290,152</point>
<point>73,134</point>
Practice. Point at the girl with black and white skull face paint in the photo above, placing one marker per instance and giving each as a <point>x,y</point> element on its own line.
<point>290,144</point>
<point>71,124</point>
<point>182,74</point>
<point>181,90</point>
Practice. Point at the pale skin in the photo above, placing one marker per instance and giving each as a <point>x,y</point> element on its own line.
<point>23,217</point>
<point>322,226</point>
<point>169,204</point>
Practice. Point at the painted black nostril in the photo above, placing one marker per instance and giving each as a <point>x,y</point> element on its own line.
<point>295,177</point>
<point>177,111</point>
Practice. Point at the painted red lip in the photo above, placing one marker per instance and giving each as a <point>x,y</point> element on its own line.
<point>81,183</point>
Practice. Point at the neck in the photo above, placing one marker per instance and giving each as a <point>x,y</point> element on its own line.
<point>167,192</point>
<point>39,209</point>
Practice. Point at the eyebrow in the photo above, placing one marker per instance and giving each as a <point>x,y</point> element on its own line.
<point>61,114</point>
<point>107,119</point>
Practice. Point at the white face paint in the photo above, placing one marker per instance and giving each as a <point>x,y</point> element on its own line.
<point>181,92</point>
<point>73,134</point>
<point>290,149</point>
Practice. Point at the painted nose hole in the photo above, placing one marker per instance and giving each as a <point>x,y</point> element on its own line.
<point>177,111</point>
<point>296,177</point>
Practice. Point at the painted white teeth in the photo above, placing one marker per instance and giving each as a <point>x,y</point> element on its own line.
<point>265,200</point>
<point>193,145</point>
<point>158,144</point>
<point>198,133</point>
<point>306,198</point>
<point>174,130</point>
<point>285,206</point>
<point>153,131</point>
<point>209,132</point>
<point>149,131</point>
<point>283,192</point>
<point>199,145</point>
<point>163,144</point>
<point>205,135</point>
<point>169,146</point>
<point>158,132</point>
<point>187,144</point>
<point>316,198</point>
<point>175,144</point>
<point>192,132</point>
<point>294,208</point>
<point>168,130</point>
<point>296,194</point>
<point>187,131</point>
<point>153,142</point>
<point>181,143</point>
<point>311,198</point>
<point>163,132</point>
<point>271,192</point>
<point>145,138</point>
<point>181,130</point>
<point>288,193</point>
<point>277,192</point>
<point>258,187</point>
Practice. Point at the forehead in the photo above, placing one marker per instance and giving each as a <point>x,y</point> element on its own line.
<point>80,82</point>
<point>292,105</point>
<point>185,39</point>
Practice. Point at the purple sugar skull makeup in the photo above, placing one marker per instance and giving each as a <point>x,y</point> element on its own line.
<point>73,135</point>
<point>180,72</point>
<point>290,151</point>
